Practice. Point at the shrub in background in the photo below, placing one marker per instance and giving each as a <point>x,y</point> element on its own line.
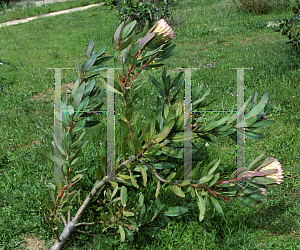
<point>261,6</point>
<point>141,10</point>
<point>4,4</point>
<point>287,26</point>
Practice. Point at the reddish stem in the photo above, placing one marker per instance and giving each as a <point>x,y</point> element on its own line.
<point>216,195</point>
<point>119,43</point>
<point>133,77</point>
<point>225,198</point>
<point>119,79</point>
<point>128,75</point>
<point>138,54</point>
<point>148,62</point>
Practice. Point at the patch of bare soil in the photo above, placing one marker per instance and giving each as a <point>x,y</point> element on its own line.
<point>36,243</point>
<point>49,95</point>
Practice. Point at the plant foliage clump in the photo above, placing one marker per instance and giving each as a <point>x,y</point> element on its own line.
<point>141,10</point>
<point>261,6</point>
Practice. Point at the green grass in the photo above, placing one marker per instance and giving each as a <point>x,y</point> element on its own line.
<point>21,12</point>
<point>230,39</point>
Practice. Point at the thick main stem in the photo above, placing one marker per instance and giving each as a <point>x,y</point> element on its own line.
<point>71,226</point>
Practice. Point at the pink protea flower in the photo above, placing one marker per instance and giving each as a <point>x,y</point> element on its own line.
<point>272,165</point>
<point>162,27</point>
<point>278,177</point>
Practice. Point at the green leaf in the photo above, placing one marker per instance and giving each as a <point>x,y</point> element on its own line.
<point>146,39</point>
<point>130,145</point>
<point>264,180</point>
<point>255,111</point>
<point>175,211</point>
<point>117,33</point>
<point>133,181</point>
<point>146,133</point>
<point>78,126</point>
<point>256,160</point>
<point>89,88</point>
<point>245,201</point>
<point>262,124</point>
<point>156,208</point>
<point>246,123</point>
<point>128,110</point>
<point>216,204</point>
<point>103,164</point>
<point>114,192</point>
<point>137,142</point>
<point>201,206</point>
<point>69,198</point>
<point>214,180</point>
<point>123,148</point>
<point>136,118</point>
<point>50,205</point>
<point>89,124</point>
<point>122,233</point>
<point>157,189</point>
<point>101,50</point>
<point>141,200</point>
<point>57,144</point>
<point>123,195</point>
<point>206,93</point>
<point>239,112</point>
<point>165,131</point>
<point>65,113</point>
<point>171,152</point>
<point>212,170</point>
<point>123,123</point>
<point>75,87</point>
<point>253,136</point>
<point>177,190</point>
<point>127,214</point>
<point>98,174</point>
<point>144,174</point>
<point>64,209</point>
<point>205,179</point>
<point>90,48</point>
<point>155,82</point>
<point>78,96</point>
<point>56,159</point>
<point>90,62</point>
<point>128,29</point>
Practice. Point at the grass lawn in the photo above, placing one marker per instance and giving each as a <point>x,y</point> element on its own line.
<point>21,12</point>
<point>211,35</point>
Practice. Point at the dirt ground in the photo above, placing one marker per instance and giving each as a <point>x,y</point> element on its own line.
<point>32,242</point>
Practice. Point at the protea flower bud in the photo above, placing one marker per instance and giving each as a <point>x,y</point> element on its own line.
<point>275,165</point>
<point>271,165</point>
<point>162,27</point>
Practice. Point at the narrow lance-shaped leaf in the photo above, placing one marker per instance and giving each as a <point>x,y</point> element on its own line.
<point>216,204</point>
<point>133,181</point>
<point>165,131</point>
<point>201,206</point>
<point>90,48</point>
<point>177,190</point>
<point>144,174</point>
<point>90,62</point>
<point>117,33</point>
<point>157,189</point>
<point>123,195</point>
<point>175,211</point>
<point>122,233</point>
